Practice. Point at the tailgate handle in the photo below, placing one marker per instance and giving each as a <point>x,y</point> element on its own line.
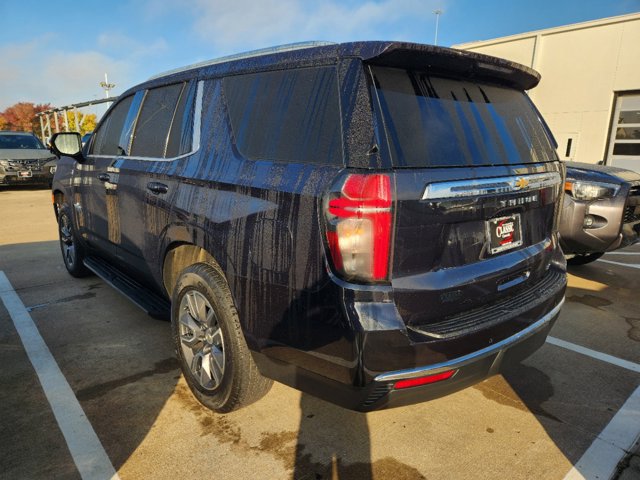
<point>512,282</point>
<point>157,187</point>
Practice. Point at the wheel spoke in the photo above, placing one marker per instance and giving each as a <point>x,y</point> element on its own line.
<point>205,371</point>
<point>192,304</point>
<point>217,364</point>
<point>211,316</point>
<point>190,331</point>
<point>189,356</point>
<point>195,364</point>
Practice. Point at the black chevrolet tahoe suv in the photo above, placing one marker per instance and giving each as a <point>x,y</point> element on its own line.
<point>372,223</point>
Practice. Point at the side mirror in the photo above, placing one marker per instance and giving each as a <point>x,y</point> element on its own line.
<point>67,144</point>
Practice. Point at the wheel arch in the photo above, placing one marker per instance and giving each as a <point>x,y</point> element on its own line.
<point>58,199</point>
<point>181,254</point>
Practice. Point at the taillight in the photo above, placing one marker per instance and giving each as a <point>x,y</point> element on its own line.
<point>359,225</point>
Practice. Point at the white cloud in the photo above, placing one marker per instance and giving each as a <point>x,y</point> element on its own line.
<point>32,72</point>
<point>117,41</point>
<point>40,71</point>
<point>231,26</point>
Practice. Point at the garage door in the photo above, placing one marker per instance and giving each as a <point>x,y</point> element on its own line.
<point>624,146</point>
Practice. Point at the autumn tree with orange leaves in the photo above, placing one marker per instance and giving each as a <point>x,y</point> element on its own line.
<point>21,117</point>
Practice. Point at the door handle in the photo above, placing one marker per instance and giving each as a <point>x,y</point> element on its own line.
<point>157,187</point>
<point>104,177</point>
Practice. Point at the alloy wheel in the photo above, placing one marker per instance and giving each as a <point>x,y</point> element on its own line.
<point>201,340</point>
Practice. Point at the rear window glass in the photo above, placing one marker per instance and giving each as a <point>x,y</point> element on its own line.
<point>288,116</point>
<point>434,121</point>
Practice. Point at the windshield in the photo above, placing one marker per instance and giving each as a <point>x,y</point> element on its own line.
<point>20,142</point>
<point>434,121</point>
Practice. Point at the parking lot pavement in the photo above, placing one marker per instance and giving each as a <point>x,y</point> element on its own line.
<point>547,418</point>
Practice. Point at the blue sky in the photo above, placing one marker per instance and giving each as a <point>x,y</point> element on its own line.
<point>57,52</point>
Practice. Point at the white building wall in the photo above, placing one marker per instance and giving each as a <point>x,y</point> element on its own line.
<point>583,67</point>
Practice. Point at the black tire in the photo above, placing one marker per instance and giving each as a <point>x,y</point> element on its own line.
<point>211,348</point>
<point>584,259</point>
<point>72,252</point>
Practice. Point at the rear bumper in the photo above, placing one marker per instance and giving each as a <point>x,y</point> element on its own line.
<point>469,369</point>
<point>380,351</point>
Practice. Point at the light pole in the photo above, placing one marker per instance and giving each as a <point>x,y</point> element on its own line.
<point>437,13</point>
<point>107,86</point>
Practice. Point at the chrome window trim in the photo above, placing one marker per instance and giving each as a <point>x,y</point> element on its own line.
<point>465,360</point>
<point>491,186</point>
<point>195,138</point>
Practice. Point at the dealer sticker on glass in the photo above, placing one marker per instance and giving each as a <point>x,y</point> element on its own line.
<point>504,233</point>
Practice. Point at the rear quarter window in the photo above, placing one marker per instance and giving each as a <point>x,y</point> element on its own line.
<point>438,122</point>
<point>286,116</point>
<point>154,122</point>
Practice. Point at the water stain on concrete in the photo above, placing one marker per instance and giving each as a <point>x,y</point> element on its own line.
<point>167,365</point>
<point>284,447</point>
<point>73,298</point>
<point>337,469</point>
<point>590,300</point>
<point>634,331</point>
<point>522,387</point>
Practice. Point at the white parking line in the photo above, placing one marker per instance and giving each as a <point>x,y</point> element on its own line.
<point>612,444</point>
<point>84,445</point>
<point>621,433</point>
<point>619,263</point>
<point>634,367</point>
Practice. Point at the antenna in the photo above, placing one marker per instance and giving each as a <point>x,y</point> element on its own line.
<point>437,13</point>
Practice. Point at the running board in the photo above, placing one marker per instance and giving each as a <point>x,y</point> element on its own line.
<point>152,303</point>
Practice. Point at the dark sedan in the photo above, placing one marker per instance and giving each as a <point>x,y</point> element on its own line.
<point>24,160</point>
<point>601,211</point>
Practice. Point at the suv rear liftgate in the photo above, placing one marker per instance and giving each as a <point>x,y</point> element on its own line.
<point>463,229</point>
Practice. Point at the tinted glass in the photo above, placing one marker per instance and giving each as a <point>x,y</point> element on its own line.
<point>631,116</point>
<point>181,132</point>
<point>107,138</point>
<point>20,142</point>
<point>154,121</point>
<point>627,149</point>
<point>433,121</point>
<point>290,116</point>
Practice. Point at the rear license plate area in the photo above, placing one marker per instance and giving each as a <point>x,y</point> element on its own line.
<point>504,233</point>
<point>25,174</point>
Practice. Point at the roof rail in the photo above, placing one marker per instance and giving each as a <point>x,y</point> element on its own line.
<point>250,54</point>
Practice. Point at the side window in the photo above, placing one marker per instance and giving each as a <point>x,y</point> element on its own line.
<point>288,115</point>
<point>107,138</point>
<point>181,134</point>
<point>154,122</point>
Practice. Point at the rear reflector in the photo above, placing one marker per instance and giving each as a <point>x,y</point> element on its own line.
<point>416,382</point>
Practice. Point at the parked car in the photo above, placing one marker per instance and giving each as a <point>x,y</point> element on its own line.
<point>601,211</point>
<point>24,160</point>
<point>303,214</point>
<point>86,137</point>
